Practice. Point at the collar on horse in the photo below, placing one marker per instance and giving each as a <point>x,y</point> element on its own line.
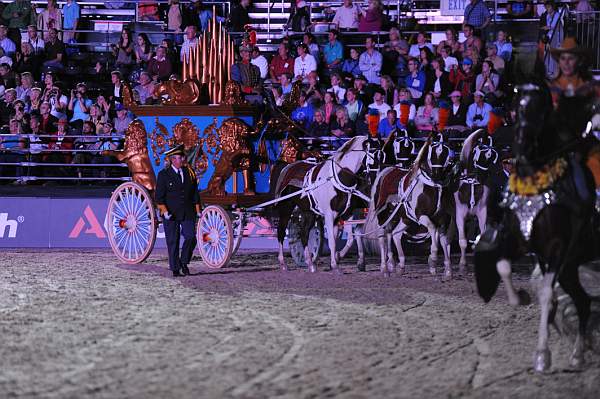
<point>540,181</point>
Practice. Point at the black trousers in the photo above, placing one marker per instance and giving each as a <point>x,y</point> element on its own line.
<point>174,229</point>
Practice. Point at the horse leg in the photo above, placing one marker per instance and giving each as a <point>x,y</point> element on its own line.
<point>349,240</point>
<point>461,214</point>
<point>331,237</point>
<point>285,213</point>
<point>433,233</point>
<point>391,264</point>
<point>308,221</point>
<point>543,358</point>
<point>569,281</point>
<point>360,264</point>
<point>398,243</point>
<point>446,249</point>
<point>515,298</point>
<point>382,239</point>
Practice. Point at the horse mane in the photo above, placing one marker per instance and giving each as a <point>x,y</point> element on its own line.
<point>347,147</point>
<point>417,163</point>
<point>468,145</point>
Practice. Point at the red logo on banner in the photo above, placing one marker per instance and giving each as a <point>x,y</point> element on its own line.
<point>92,221</point>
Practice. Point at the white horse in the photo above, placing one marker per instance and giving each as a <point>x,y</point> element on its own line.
<point>332,189</point>
<point>471,197</point>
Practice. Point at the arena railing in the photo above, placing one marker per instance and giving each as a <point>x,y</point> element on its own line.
<point>587,31</point>
<point>29,165</point>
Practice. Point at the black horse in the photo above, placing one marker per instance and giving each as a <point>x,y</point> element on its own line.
<point>548,211</point>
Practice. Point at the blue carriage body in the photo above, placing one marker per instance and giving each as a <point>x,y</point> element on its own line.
<point>161,118</point>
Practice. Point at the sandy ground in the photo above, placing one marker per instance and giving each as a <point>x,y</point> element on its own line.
<point>75,325</point>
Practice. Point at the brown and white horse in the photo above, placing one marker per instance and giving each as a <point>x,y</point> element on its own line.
<point>400,199</point>
<point>476,159</point>
<point>331,189</point>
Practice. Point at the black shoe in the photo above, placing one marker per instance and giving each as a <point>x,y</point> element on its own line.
<point>185,270</point>
<point>176,273</point>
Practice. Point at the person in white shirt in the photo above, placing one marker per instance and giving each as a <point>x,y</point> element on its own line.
<point>370,62</point>
<point>336,89</point>
<point>260,61</point>
<point>305,63</point>
<point>35,40</point>
<point>448,59</point>
<point>190,41</point>
<point>381,106</point>
<point>415,49</point>
<point>346,16</point>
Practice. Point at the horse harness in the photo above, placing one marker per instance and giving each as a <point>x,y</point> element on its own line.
<point>473,179</point>
<point>309,185</point>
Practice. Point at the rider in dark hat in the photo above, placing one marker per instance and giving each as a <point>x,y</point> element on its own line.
<point>179,203</point>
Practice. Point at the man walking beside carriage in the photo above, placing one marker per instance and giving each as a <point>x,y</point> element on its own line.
<point>179,204</point>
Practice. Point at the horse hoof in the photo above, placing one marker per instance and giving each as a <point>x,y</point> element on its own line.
<point>577,360</point>
<point>432,271</point>
<point>401,270</point>
<point>447,276</point>
<point>386,274</point>
<point>361,267</point>
<point>312,269</point>
<point>524,297</point>
<point>542,360</point>
<point>283,268</point>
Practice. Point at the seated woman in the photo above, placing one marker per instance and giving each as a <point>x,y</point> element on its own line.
<point>12,146</point>
<point>318,128</point>
<point>371,19</point>
<point>330,106</point>
<point>438,82</point>
<point>313,47</point>
<point>304,63</point>
<point>405,108</point>
<point>390,96</point>
<point>451,41</point>
<point>341,127</point>
<point>350,67</point>
<point>488,81</point>
<point>427,115</point>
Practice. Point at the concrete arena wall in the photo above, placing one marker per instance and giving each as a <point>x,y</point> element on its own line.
<point>43,222</point>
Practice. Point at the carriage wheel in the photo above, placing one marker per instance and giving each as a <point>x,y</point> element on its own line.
<point>215,237</point>
<point>316,238</point>
<point>131,223</point>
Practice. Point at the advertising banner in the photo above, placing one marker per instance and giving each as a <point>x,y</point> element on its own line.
<point>30,222</point>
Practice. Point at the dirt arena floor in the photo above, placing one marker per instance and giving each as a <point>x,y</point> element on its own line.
<point>79,325</point>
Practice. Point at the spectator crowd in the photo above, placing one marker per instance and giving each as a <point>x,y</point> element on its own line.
<point>405,80</point>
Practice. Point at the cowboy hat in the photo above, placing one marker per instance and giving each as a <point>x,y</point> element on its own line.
<point>569,45</point>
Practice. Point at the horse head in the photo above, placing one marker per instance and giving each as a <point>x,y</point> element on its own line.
<point>436,160</point>
<point>478,153</point>
<point>399,150</point>
<point>534,105</point>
